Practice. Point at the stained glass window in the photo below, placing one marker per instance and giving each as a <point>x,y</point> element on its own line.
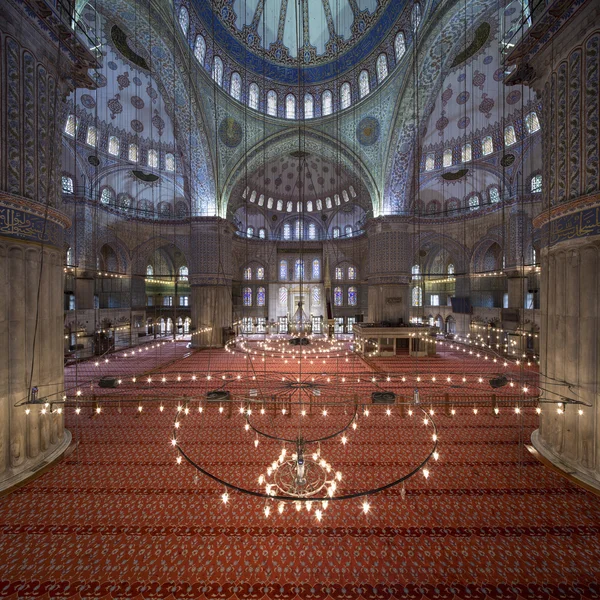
<point>260,273</point>
<point>279,204</point>
<point>316,296</point>
<point>327,103</point>
<point>466,153</point>
<point>217,70</point>
<point>309,106</point>
<point>270,203</point>
<point>184,19</point>
<point>450,269</point>
<point>114,145</point>
<point>289,206</point>
<point>262,233</point>
<point>133,152</point>
<point>399,45</point>
<point>336,199</point>
<point>338,296</point>
<point>290,106</point>
<point>283,270</point>
<point>253,196</point>
<point>70,256</point>
<point>200,49</point>
<point>382,67</point>
<point>532,123</point>
<point>345,196</point>
<point>474,202</point>
<point>299,269</point>
<point>312,231</point>
<point>272,103</point>
<point>536,184</point>
<point>509,135</point>
<point>92,136</point>
<point>416,16</point>
<point>299,229</point>
<point>67,185</point>
<point>183,273</point>
<point>153,159</point>
<point>487,145</point>
<point>345,96</point>
<point>447,158</point>
<point>149,271</point>
<point>339,273</point>
<point>351,272</point>
<point>363,84</point>
<point>417,296</point>
<point>250,232</point>
<point>247,295</point>
<point>328,202</point>
<point>316,269</point>
<point>287,231</point>
<point>309,206</point>
<point>261,199</point>
<point>253,96</point>
<point>107,196</point>
<point>352,296</point>
<point>71,125</point>
<point>283,296</point>
<point>260,296</point>
<point>416,272</point>
<point>319,204</point>
<point>235,88</point>
<point>126,201</point>
<point>248,273</point>
<point>169,162</point>
<point>352,191</point>
<point>430,162</point>
<point>336,232</point>
<point>348,231</point>
<point>494,194</point>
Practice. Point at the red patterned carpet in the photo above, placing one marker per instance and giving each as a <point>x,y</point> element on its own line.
<point>118,518</point>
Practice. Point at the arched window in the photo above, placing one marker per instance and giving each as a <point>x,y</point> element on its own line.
<point>153,159</point>
<point>290,106</point>
<point>447,158</point>
<point>309,206</point>
<point>316,269</point>
<point>261,200</point>
<point>466,153</point>
<point>328,202</point>
<point>183,273</point>
<point>70,260</point>
<point>416,272</point>
<point>336,199</point>
<point>338,296</point>
<point>299,207</point>
<point>536,184</point>
<point>430,162</point>
<point>71,125</point>
<point>345,96</point>
<point>474,202</point>
<point>352,296</point>
<point>399,45</point>
<point>287,231</point>
<point>279,204</point>
<point>450,269</point>
<point>217,70</point>
<point>299,230</point>
<point>312,231</point>
<point>336,232</point>
<point>283,270</point>
<point>319,204</point>
<point>260,296</point>
<point>133,152</point>
<point>316,296</point>
<point>249,232</point>
<point>253,196</point>
<point>200,49</point>
<point>382,67</point>
<point>92,136</point>
<point>126,201</point>
<point>260,273</point>
<point>184,20</point>
<point>248,273</point>
<point>247,294</point>
<point>262,233</point>
<point>494,193</point>
<point>351,272</point>
<point>348,231</point>
<point>327,103</point>
<point>487,145</point>
<point>169,162</point>
<point>107,196</point>
<point>510,136</point>
<point>67,185</point>
<point>253,96</point>
<point>364,86</point>
<point>345,196</point>
<point>149,271</point>
<point>417,296</point>
<point>272,103</point>
<point>309,106</point>
<point>283,296</point>
<point>114,145</point>
<point>415,16</point>
<point>532,123</point>
<point>235,87</point>
<point>299,269</point>
<point>289,206</point>
<point>270,203</point>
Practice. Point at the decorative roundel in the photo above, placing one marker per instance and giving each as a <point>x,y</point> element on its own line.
<point>88,101</point>
<point>478,79</point>
<point>230,132</point>
<point>513,97</point>
<point>137,102</point>
<point>93,160</point>
<point>507,160</point>
<point>499,75</point>
<point>486,106</point>
<point>368,131</point>
<point>442,123</point>
<point>463,122</point>
<point>137,81</point>
<point>137,126</point>
<point>463,98</point>
<point>487,60</point>
<point>112,65</point>
<point>462,77</point>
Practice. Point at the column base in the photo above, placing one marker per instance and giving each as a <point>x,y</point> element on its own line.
<point>584,479</point>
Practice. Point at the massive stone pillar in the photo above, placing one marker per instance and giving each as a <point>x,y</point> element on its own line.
<point>566,71</point>
<point>389,271</point>
<point>36,74</point>
<point>211,274</point>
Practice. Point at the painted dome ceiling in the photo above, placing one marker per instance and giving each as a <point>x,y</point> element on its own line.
<point>271,37</point>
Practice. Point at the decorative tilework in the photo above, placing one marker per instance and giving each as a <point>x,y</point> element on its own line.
<point>574,111</point>
<point>591,116</point>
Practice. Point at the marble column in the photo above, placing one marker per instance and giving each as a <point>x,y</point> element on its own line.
<point>565,72</point>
